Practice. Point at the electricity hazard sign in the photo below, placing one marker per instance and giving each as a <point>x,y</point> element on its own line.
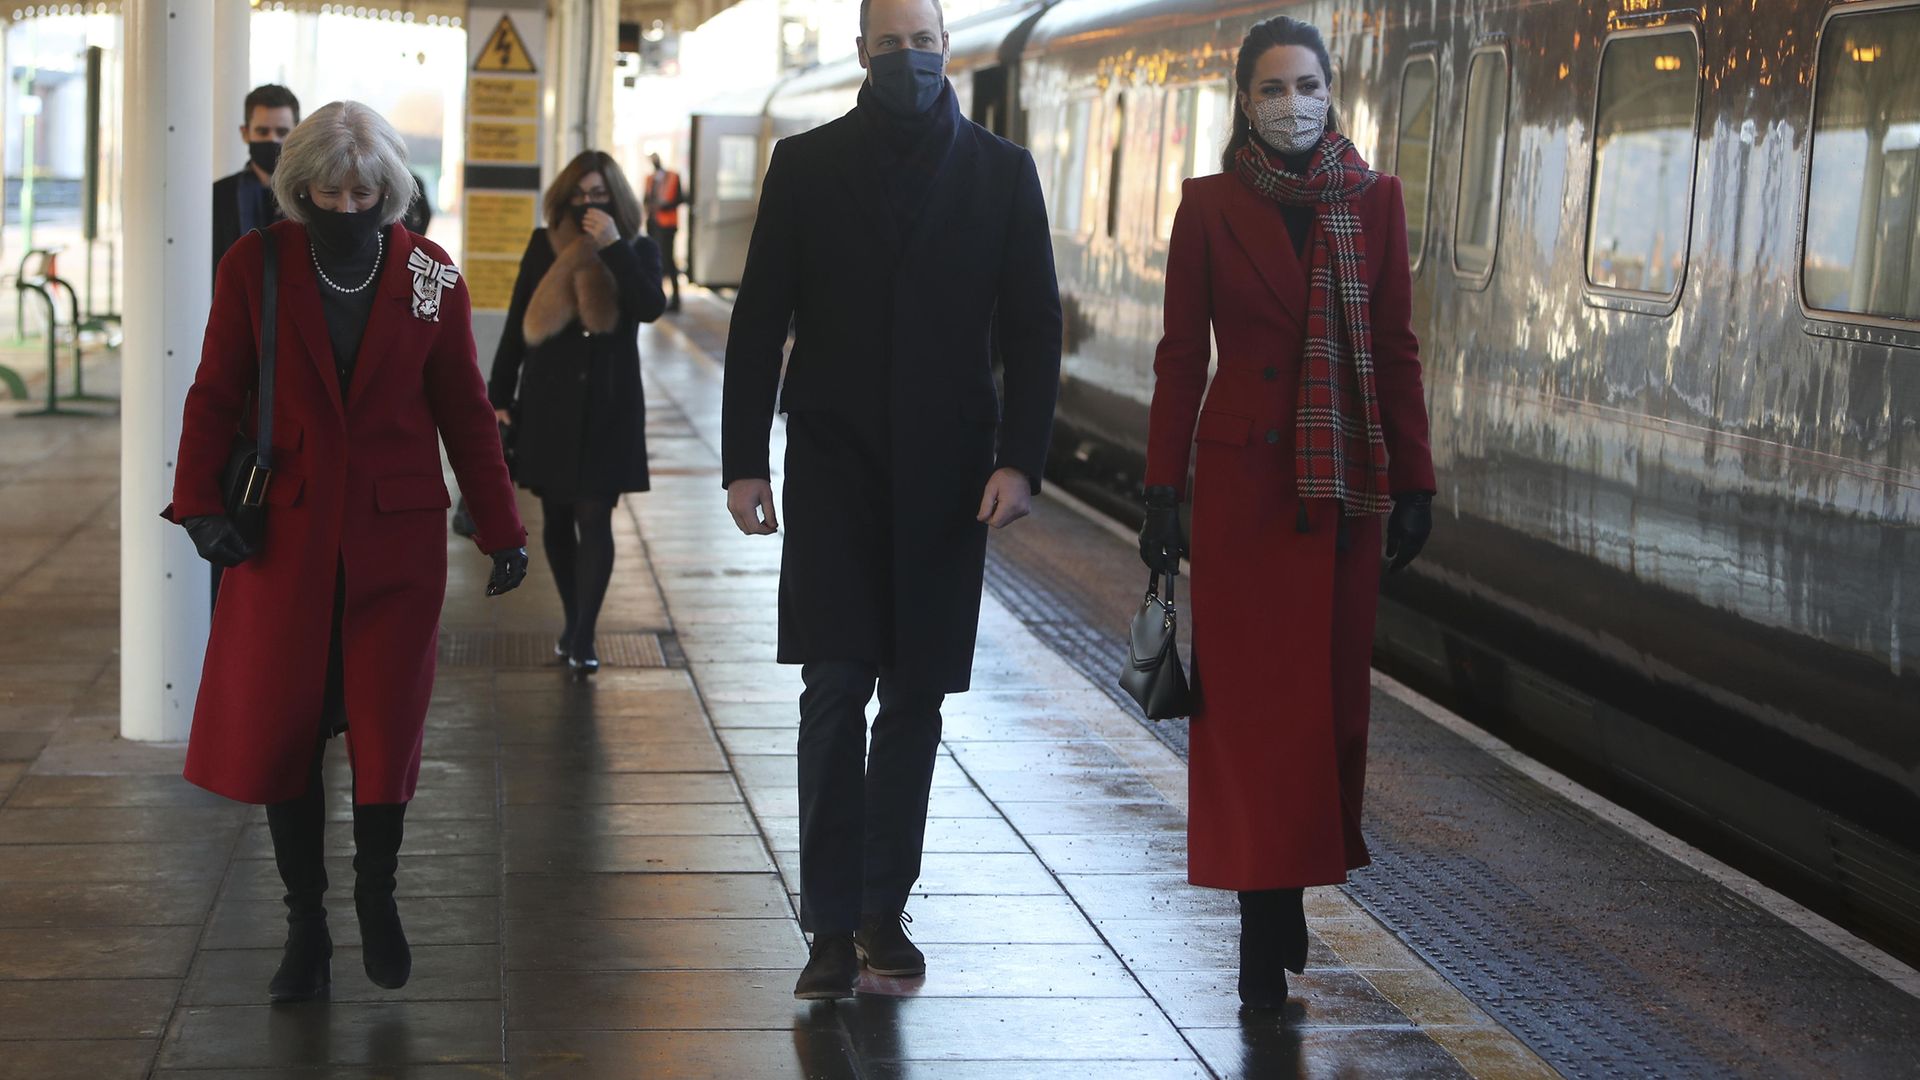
<point>505,50</point>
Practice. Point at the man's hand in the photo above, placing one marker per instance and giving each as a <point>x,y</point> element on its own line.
<point>600,228</point>
<point>1008,498</point>
<point>751,504</point>
<point>503,416</point>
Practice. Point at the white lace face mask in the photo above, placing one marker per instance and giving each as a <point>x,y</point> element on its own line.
<point>1292,124</point>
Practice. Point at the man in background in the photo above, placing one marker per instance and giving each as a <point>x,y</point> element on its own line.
<point>663,201</point>
<point>244,202</point>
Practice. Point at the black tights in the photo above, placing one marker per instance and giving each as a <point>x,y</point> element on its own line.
<point>579,540</point>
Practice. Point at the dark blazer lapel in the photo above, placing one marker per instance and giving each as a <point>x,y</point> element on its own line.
<point>390,304</point>
<point>1260,231</point>
<point>855,162</point>
<point>300,293</point>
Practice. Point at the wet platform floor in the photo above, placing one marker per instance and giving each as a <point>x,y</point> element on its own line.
<point>598,881</point>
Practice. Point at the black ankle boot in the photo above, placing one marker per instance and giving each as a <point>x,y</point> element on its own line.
<point>1273,938</point>
<point>377,830</point>
<point>306,963</point>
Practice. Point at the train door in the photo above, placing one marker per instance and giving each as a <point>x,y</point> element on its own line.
<point>726,191</point>
<point>990,99</point>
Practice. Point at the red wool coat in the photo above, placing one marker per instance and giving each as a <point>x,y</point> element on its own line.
<point>1282,620</point>
<point>356,483</point>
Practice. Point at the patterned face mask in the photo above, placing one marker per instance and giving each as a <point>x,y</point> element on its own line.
<point>1292,124</point>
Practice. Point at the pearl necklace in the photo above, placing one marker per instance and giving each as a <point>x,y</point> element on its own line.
<point>380,251</point>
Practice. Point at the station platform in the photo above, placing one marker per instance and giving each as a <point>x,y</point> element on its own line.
<point>599,880</point>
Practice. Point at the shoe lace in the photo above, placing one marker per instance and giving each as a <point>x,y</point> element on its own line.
<point>906,920</point>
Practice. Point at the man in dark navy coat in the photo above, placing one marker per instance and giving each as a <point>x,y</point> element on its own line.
<point>244,202</point>
<point>902,244</point>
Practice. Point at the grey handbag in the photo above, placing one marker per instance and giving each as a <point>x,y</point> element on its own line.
<point>1153,675</point>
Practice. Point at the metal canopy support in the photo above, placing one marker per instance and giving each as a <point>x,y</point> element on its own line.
<point>169,149</point>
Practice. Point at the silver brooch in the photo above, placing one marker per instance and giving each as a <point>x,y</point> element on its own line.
<point>430,278</point>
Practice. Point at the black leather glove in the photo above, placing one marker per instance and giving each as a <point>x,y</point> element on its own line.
<point>217,540</point>
<point>1161,544</point>
<point>1408,527</point>
<point>509,570</point>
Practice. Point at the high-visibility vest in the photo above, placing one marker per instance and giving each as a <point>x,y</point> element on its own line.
<point>663,191</point>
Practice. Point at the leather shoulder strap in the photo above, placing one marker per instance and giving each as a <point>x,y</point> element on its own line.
<point>269,334</point>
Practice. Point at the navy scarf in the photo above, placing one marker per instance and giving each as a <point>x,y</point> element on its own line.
<point>910,151</point>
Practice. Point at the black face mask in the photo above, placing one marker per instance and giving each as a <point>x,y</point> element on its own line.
<point>342,236</point>
<point>907,82</point>
<point>264,154</point>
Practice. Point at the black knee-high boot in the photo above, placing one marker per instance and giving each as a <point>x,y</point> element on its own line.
<point>1273,940</point>
<point>377,830</point>
<point>298,828</point>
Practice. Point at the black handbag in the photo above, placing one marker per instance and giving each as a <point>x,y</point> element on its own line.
<point>1153,675</point>
<point>249,468</point>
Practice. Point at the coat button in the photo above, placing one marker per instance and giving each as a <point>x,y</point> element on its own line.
<point>1273,436</point>
<point>1270,374</point>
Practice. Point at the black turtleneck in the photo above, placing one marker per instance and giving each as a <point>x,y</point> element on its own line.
<point>346,312</point>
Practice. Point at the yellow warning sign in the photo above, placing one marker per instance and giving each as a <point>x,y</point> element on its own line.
<point>490,281</point>
<point>503,97</point>
<point>498,222</point>
<point>505,51</point>
<point>504,142</point>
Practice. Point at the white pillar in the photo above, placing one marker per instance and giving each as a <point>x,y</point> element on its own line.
<point>168,135</point>
<point>232,78</point>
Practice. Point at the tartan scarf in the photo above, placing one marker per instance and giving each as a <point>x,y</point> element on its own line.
<point>1339,452</point>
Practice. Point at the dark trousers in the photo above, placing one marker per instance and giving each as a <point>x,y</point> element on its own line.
<point>669,262</point>
<point>861,823</point>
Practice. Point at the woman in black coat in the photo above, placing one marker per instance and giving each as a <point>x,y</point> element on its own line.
<point>566,378</point>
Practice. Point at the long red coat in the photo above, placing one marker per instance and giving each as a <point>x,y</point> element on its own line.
<point>1282,621</point>
<point>356,483</point>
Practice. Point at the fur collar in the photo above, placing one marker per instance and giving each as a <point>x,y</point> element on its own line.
<point>577,288</point>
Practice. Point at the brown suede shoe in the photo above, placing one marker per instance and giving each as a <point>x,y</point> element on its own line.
<point>883,946</point>
<point>831,969</point>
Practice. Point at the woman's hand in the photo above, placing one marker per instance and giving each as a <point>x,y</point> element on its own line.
<point>503,416</point>
<point>1408,527</point>
<point>509,570</point>
<point>217,540</point>
<point>599,227</point>
<point>1161,544</point>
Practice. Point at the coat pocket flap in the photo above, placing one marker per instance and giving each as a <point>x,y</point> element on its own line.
<point>392,493</point>
<point>1217,427</point>
<point>284,490</point>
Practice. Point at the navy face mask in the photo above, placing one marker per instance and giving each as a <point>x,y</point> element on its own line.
<point>908,81</point>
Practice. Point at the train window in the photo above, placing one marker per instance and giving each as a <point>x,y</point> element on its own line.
<point>1476,218</point>
<point>1070,166</point>
<point>1641,205</point>
<point>1196,130</point>
<point>1862,250</point>
<point>1413,151</point>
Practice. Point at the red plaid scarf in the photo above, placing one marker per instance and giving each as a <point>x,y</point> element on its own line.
<point>1339,452</point>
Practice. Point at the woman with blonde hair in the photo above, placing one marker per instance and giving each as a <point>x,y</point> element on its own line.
<point>328,616</point>
<point>566,379</point>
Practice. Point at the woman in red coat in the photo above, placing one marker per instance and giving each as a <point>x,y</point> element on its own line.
<point>332,623</point>
<point>1295,258</point>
